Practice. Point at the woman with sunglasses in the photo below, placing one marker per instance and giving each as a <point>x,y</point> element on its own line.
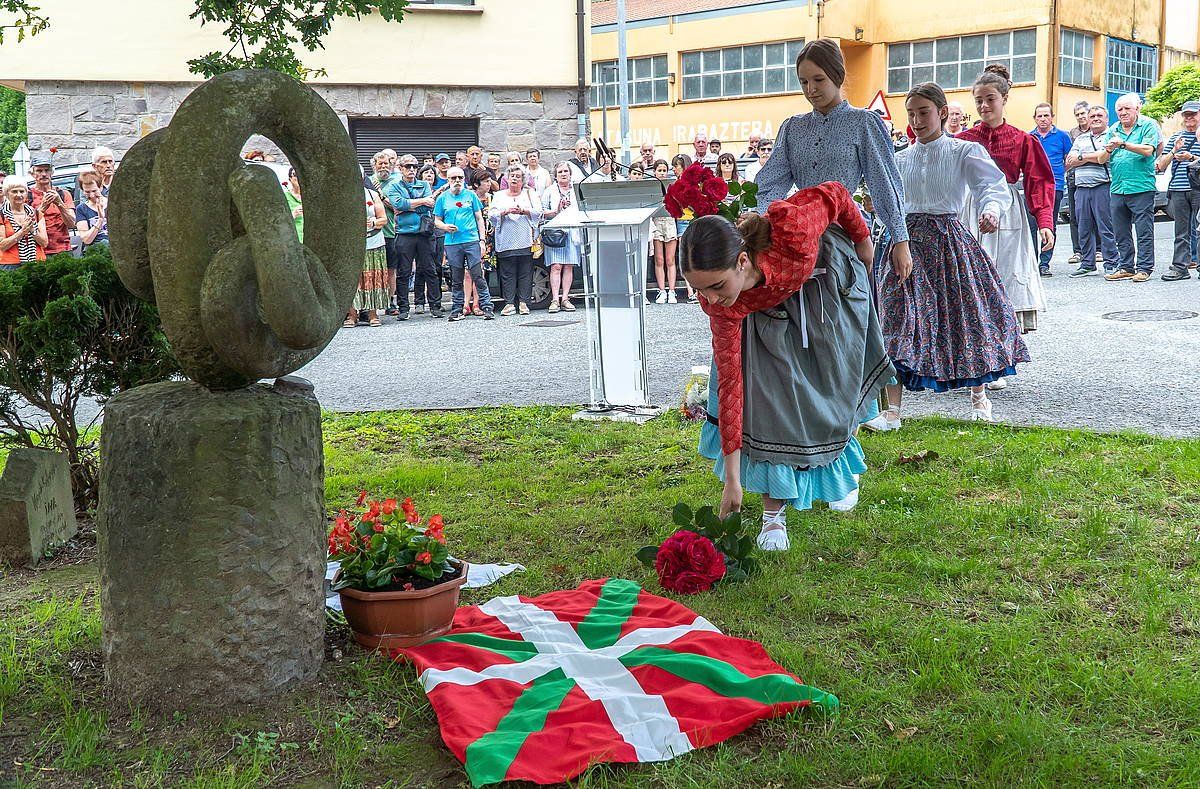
<point>727,168</point>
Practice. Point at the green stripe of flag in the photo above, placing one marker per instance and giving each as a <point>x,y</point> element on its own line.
<point>489,757</point>
<point>727,680</point>
<point>602,626</point>
<point>516,650</point>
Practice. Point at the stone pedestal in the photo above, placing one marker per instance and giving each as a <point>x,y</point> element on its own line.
<point>210,529</point>
<point>37,510</point>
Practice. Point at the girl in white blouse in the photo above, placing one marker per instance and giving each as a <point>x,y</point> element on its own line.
<point>951,324</point>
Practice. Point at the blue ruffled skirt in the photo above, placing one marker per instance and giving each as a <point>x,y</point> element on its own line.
<point>836,483</point>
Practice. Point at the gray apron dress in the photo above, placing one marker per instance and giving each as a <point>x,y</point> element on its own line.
<point>812,367</point>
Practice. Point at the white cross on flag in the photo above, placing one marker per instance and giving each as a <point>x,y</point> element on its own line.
<point>539,689</point>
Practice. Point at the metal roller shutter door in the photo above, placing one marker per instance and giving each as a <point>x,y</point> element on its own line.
<point>418,136</point>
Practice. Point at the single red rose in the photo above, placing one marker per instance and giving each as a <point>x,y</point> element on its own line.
<point>362,496</point>
<point>689,582</point>
<point>688,562</point>
<point>389,506</point>
<point>716,188</point>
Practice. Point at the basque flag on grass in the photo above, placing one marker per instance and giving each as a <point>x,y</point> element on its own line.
<point>539,689</point>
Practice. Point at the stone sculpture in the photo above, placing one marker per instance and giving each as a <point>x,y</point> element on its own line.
<point>211,514</point>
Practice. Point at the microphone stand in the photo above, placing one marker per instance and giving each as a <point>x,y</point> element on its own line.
<point>604,150</point>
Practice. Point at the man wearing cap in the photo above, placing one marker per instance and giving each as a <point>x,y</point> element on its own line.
<point>441,163</point>
<point>55,204</point>
<point>459,212</point>
<point>1183,202</point>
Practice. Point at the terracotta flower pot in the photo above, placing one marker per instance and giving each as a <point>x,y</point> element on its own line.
<point>391,620</point>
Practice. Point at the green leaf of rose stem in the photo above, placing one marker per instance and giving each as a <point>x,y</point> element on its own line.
<point>682,515</point>
<point>647,554</point>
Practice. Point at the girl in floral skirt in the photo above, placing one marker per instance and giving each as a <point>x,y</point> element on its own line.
<point>950,325</point>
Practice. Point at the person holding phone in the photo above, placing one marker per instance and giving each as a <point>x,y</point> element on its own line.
<point>92,215</point>
<point>22,227</point>
<point>56,205</point>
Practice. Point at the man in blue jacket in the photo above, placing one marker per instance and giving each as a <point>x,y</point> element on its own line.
<point>1057,144</point>
<point>412,199</point>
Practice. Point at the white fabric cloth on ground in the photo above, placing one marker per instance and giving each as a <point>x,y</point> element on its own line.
<point>478,575</point>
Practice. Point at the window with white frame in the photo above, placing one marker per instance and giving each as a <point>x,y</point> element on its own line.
<point>1076,57</point>
<point>647,82</point>
<point>751,70</point>
<point>957,62</point>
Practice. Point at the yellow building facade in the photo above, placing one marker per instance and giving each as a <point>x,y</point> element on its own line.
<point>449,75</point>
<point>727,66</point>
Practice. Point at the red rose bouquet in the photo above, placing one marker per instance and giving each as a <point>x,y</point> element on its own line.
<point>688,563</point>
<point>705,550</point>
<point>701,192</point>
<point>387,544</point>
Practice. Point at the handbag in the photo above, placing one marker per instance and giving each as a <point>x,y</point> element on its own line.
<point>554,237</point>
<point>1193,174</point>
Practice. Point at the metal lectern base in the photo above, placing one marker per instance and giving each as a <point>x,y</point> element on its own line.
<point>618,413</point>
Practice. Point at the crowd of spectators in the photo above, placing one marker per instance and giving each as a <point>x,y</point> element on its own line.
<point>1106,170</point>
<point>456,218</point>
<point>41,219</point>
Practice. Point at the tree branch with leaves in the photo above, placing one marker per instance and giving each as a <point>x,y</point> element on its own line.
<point>25,18</point>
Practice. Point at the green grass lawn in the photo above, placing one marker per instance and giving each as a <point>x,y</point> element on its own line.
<point>1023,610</point>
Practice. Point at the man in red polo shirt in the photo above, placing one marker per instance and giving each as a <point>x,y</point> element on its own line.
<point>55,204</point>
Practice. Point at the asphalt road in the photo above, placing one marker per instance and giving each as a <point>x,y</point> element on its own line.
<point>1088,371</point>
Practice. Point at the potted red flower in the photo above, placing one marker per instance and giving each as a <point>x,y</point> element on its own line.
<point>398,584</point>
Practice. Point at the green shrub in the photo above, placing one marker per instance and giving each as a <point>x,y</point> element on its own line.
<point>1176,86</point>
<point>69,332</point>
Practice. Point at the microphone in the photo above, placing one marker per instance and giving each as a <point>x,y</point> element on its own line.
<point>603,148</point>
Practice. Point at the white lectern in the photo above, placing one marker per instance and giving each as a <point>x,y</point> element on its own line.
<point>613,222</point>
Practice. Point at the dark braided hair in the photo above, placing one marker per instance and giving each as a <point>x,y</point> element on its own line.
<point>713,243</point>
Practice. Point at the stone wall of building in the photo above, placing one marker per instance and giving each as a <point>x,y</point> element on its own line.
<point>75,117</point>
